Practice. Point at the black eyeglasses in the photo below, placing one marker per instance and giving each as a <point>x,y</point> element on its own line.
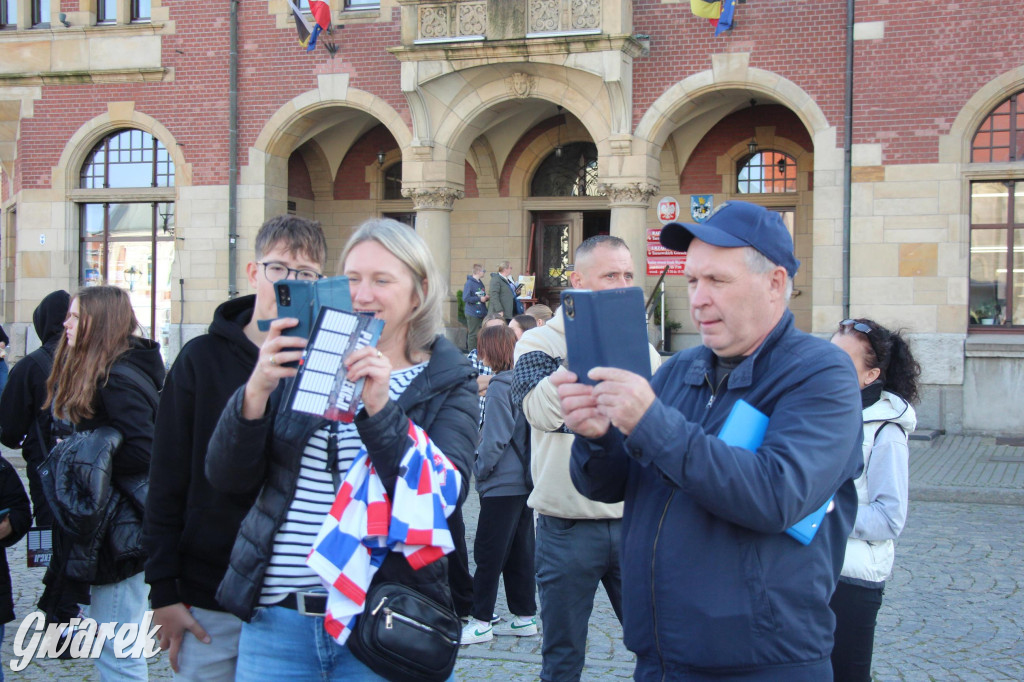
<point>275,272</point>
<point>859,326</point>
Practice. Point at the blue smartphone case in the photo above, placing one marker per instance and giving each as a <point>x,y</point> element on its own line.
<point>302,300</point>
<point>606,329</point>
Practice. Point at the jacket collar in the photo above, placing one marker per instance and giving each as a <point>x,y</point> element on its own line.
<point>743,375</point>
<point>446,367</point>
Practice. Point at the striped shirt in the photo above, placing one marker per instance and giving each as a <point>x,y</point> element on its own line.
<point>314,495</point>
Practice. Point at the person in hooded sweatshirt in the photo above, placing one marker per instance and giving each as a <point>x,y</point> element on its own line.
<point>189,526</point>
<point>105,375</point>
<point>22,418</point>
<point>888,374</point>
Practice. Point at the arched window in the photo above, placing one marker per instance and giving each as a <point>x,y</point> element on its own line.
<point>569,171</point>
<point>125,240</point>
<point>1000,136</point>
<point>767,172</point>
<point>393,182</point>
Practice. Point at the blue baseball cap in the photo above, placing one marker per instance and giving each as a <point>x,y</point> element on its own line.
<point>734,224</point>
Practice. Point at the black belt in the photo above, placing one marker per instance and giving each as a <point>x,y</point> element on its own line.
<point>306,603</point>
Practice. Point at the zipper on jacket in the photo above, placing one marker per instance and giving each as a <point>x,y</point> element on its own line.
<point>714,391</point>
<point>654,604</point>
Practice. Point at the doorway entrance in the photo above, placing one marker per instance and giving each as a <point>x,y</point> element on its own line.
<point>555,238</point>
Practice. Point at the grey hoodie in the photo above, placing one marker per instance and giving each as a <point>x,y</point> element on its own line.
<point>498,469</point>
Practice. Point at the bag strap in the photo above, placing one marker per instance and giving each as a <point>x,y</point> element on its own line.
<point>136,377</point>
<point>524,458</point>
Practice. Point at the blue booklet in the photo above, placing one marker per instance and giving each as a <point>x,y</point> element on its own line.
<point>745,428</point>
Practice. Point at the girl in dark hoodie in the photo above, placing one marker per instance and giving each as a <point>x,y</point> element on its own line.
<point>104,375</point>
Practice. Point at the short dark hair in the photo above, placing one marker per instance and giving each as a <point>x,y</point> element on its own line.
<point>496,347</point>
<point>525,321</point>
<point>591,243</point>
<point>297,236</point>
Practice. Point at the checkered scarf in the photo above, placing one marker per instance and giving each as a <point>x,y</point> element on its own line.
<point>363,526</point>
<point>530,369</point>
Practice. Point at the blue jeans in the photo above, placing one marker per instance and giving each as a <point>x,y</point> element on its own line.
<point>123,602</point>
<point>573,556</point>
<point>282,644</point>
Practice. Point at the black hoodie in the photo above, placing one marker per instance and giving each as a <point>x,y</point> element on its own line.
<point>189,528</point>
<point>22,400</point>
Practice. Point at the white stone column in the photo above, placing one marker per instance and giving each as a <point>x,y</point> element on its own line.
<point>629,203</point>
<point>433,222</point>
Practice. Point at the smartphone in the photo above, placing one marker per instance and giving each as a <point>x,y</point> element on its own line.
<point>606,329</point>
<point>295,299</point>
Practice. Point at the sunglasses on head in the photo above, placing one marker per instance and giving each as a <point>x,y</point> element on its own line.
<point>858,326</point>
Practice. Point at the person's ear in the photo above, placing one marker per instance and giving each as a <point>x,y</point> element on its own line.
<point>871,376</point>
<point>575,279</point>
<point>777,282</point>
<point>252,270</point>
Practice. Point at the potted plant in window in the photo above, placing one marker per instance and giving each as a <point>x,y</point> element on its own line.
<point>985,313</point>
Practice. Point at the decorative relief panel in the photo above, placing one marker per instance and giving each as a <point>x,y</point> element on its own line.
<point>452,20</point>
<point>563,16</point>
<point>519,84</point>
<point>545,15</point>
<point>585,14</point>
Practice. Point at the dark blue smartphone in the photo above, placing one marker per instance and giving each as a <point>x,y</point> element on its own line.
<point>606,329</point>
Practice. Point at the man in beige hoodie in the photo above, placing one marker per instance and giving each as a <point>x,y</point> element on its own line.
<point>577,539</point>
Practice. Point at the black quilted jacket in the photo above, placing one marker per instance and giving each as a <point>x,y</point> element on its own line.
<point>245,456</point>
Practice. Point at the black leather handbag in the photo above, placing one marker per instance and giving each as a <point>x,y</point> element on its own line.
<point>405,636</point>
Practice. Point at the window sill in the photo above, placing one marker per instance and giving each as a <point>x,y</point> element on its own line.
<point>986,344</point>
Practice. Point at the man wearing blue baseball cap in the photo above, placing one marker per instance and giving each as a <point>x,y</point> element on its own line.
<point>713,587</point>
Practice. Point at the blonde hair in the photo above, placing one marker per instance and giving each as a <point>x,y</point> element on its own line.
<point>428,282</point>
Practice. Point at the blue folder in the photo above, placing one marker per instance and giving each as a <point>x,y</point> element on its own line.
<point>745,428</point>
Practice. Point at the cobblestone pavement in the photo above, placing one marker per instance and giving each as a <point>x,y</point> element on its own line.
<point>953,610</point>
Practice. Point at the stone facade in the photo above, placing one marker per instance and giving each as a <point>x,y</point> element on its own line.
<point>472,97</point>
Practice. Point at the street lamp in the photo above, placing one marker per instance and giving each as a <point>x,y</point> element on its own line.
<point>132,274</point>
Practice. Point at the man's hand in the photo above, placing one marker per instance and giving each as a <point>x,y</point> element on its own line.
<point>621,396</point>
<point>482,382</point>
<point>173,620</point>
<point>579,405</point>
<point>5,527</point>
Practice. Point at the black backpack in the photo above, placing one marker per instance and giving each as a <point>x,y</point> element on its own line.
<point>521,437</point>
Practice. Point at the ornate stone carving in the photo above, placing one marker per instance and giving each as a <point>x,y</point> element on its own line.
<point>434,21</point>
<point>544,15</point>
<point>472,18</point>
<point>631,193</point>
<point>585,14</point>
<point>433,197</point>
<point>520,84</point>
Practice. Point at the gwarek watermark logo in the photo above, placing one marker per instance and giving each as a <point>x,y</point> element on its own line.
<point>86,637</point>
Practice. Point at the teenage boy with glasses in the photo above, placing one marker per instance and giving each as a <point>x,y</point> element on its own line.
<point>190,527</point>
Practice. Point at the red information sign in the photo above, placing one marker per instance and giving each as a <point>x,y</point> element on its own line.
<point>676,264</point>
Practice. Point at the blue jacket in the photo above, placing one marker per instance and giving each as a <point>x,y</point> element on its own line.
<point>471,291</point>
<point>711,583</point>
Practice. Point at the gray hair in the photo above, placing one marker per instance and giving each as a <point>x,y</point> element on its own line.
<point>760,264</point>
<point>431,289</point>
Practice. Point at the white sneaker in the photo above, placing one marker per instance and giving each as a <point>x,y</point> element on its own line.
<point>520,626</point>
<point>476,632</point>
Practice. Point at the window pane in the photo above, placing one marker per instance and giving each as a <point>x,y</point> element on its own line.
<point>766,172</point>
<point>40,12</point>
<point>393,182</point>
<point>989,203</point>
<point>92,220</point>
<point>106,11</point>
<point>141,10</point>
<point>131,220</point>
<point>165,221</point>
<point>8,13</point>
<point>987,294</point>
<point>1017,304</point>
<point>571,174</point>
<point>163,291</point>
<point>555,247</point>
<point>92,263</point>
<point>362,3</point>
<point>1018,202</point>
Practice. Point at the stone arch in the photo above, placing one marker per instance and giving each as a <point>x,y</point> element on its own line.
<point>120,115</point>
<point>286,127</point>
<point>676,105</point>
<point>319,170</point>
<point>955,146</point>
<point>467,118</point>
